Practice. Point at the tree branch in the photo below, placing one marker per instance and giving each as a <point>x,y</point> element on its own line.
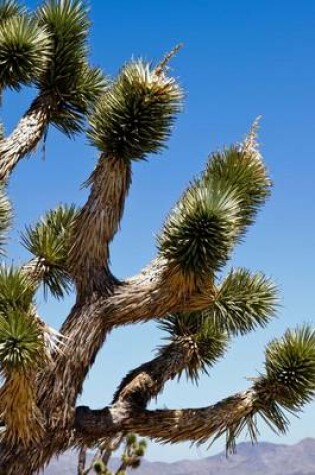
<point>147,381</point>
<point>98,222</point>
<point>286,385</point>
<point>34,269</point>
<point>155,292</point>
<point>172,426</point>
<point>25,137</point>
<point>227,417</point>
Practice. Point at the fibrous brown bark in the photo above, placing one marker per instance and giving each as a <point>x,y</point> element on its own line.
<point>25,136</point>
<point>167,425</point>
<point>97,224</point>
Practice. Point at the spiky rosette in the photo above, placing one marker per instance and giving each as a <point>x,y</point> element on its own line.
<point>288,383</point>
<point>135,115</point>
<point>290,367</point>
<point>24,51</point>
<point>5,217</point>
<point>242,168</point>
<point>22,345</point>
<point>243,301</point>
<point>201,230</point>
<point>49,241</point>
<point>214,212</point>
<point>16,290</point>
<point>69,82</point>
<point>205,342</point>
<point>9,9</point>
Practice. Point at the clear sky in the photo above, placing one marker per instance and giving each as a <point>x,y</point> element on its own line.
<point>241,59</point>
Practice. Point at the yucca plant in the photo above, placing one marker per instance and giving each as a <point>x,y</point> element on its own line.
<point>199,302</point>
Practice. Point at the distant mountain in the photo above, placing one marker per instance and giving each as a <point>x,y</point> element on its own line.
<point>261,459</point>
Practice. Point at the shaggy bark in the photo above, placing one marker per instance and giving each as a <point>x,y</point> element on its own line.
<point>167,425</point>
<point>25,137</point>
<point>84,333</point>
<point>34,270</point>
<point>97,224</point>
<point>148,380</point>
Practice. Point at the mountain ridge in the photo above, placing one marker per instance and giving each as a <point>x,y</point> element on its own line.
<point>259,459</point>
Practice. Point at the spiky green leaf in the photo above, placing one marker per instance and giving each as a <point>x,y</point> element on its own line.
<point>87,85</point>
<point>215,211</point>
<point>131,439</point>
<point>9,9</point>
<point>201,231</point>
<point>206,341</point>
<point>135,115</point>
<point>24,51</point>
<point>287,385</point>
<point>243,301</point>
<point>242,169</point>
<point>21,341</point>
<point>16,290</point>
<point>290,366</point>
<point>69,82</point>
<point>49,241</point>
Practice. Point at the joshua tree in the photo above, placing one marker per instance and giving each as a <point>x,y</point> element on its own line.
<point>127,119</point>
<point>131,456</point>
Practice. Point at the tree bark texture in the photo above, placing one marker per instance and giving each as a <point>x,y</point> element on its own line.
<point>24,138</point>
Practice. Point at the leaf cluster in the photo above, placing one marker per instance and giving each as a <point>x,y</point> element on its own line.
<point>206,342</point>
<point>288,382</point>
<point>16,290</point>
<point>21,341</point>
<point>135,115</point>
<point>9,9</point>
<point>200,232</point>
<point>214,212</point>
<point>244,171</point>
<point>24,51</point>
<point>69,83</point>
<point>243,301</point>
<point>290,367</point>
<point>49,241</point>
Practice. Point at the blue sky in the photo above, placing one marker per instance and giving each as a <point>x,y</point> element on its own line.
<point>241,59</point>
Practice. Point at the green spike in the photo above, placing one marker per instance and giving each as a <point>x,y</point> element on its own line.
<point>135,115</point>
<point>21,342</point>
<point>16,290</point>
<point>49,241</point>
<point>24,51</point>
